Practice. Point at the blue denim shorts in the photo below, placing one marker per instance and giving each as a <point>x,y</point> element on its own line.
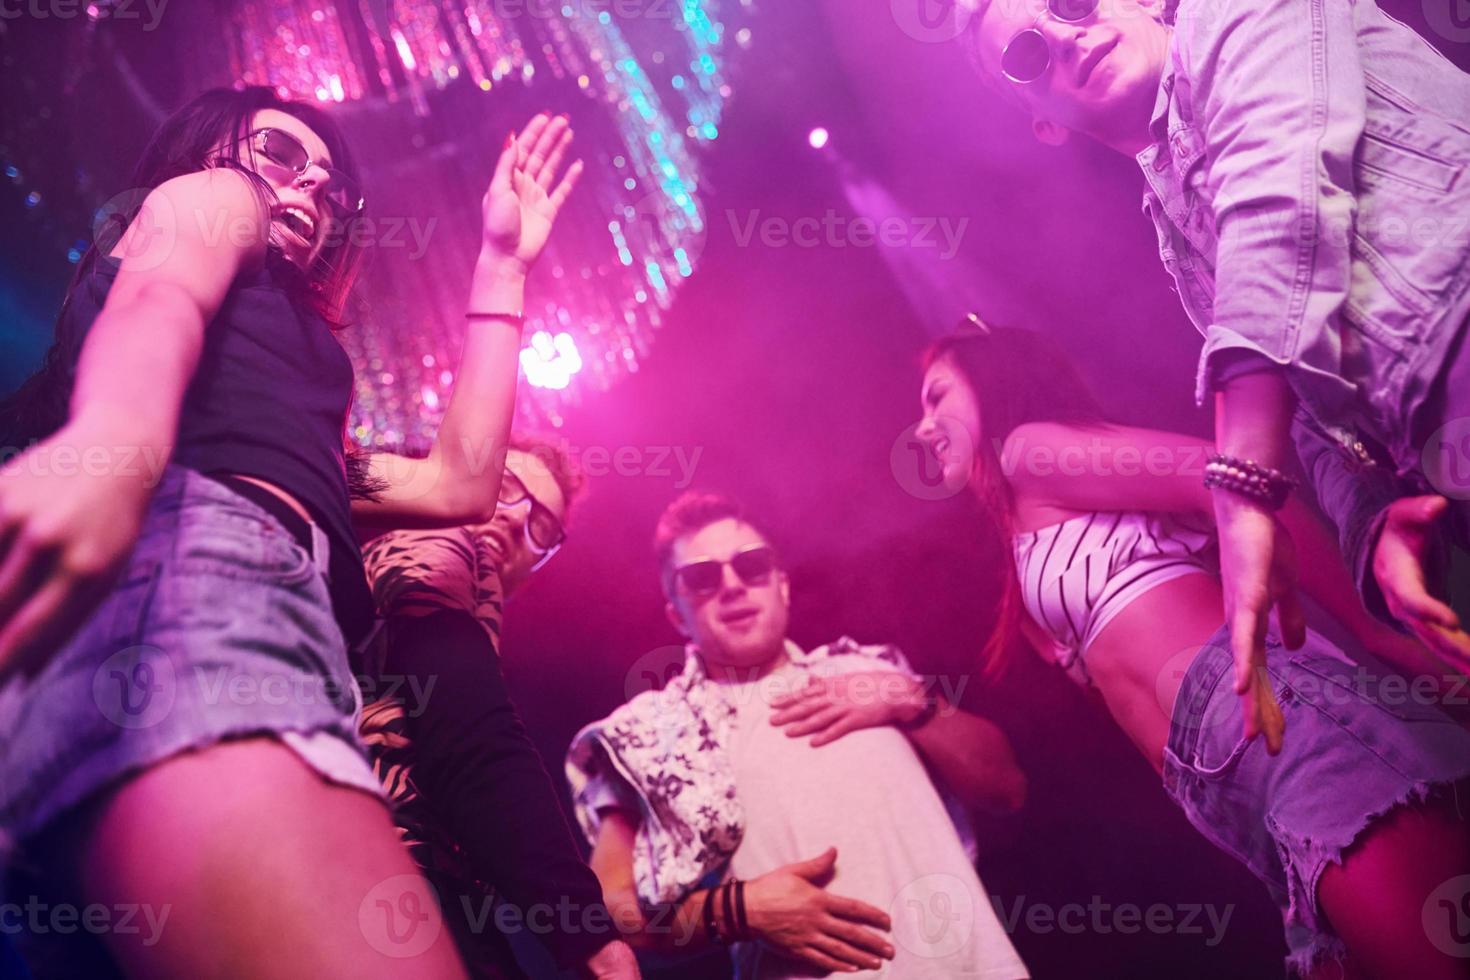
<point>220,626</point>
<point>1356,746</point>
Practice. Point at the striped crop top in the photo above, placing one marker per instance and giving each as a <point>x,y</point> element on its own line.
<point>1075,576</point>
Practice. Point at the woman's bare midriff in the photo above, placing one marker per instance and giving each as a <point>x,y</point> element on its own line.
<point>1139,659</point>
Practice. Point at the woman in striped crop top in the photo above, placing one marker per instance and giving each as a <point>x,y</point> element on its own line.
<point>1116,574</point>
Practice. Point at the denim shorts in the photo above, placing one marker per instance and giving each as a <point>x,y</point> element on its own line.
<point>1356,746</point>
<point>220,626</point>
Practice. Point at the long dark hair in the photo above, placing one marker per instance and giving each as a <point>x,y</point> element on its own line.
<point>1018,376</point>
<point>206,132</point>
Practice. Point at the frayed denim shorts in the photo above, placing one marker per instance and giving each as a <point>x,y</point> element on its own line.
<point>219,627</point>
<point>1356,746</point>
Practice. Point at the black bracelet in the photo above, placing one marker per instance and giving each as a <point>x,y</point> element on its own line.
<point>708,915</point>
<point>727,898</point>
<point>1249,479</point>
<point>744,923</point>
<point>519,319</point>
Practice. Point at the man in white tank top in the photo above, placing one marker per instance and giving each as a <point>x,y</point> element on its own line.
<point>799,774</point>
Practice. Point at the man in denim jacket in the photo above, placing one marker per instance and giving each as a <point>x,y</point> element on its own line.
<point>1306,163</point>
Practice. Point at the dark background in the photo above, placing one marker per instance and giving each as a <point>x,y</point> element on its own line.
<point>792,372</point>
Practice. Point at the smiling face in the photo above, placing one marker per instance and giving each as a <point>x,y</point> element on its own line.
<point>950,427</point>
<point>742,624</point>
<point>301,217</point>
<point>505,533</point>
<point>1104,71</point>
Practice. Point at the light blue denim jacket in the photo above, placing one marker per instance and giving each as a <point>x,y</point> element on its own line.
<point>1310,186</point>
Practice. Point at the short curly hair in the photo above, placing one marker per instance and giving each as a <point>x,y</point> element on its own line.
<point>552,454</point>
<point>691,512</point>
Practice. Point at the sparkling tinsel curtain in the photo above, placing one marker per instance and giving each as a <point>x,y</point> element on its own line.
<point>427,92</point>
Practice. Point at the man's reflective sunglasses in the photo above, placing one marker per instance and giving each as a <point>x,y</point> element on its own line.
<point>280,147</point>
<point>703,578</point>
<point>544,532</point>
<point>1027,55</point>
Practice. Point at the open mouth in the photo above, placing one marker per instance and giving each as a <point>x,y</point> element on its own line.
<point>1085,69</point>
<point>941,448</point>
<point>497,542</point>
<point>299,222</point>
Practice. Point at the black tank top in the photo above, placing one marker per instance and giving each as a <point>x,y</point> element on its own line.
<point>269,400</point>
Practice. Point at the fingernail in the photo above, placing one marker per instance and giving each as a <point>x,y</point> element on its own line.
<point>510,139</point>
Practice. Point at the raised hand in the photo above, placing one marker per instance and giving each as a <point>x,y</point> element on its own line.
<point>524,196</point>
<point>788,910</point>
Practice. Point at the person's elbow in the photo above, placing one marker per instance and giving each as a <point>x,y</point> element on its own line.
<point>1011,790</point>
<point>464,493</point>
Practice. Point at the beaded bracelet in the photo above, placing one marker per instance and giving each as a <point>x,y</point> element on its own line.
<point>1249,479</point>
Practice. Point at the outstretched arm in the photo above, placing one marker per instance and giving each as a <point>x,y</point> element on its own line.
<point>67,527</point>
<point>459,481</point>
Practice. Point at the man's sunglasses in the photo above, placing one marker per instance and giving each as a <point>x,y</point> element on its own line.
<point>280,147</point>
<point>544,533</point>
<point>753,565</point>
<point>1027,56</point>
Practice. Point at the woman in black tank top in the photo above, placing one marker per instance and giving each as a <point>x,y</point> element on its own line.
<point>176,707</point>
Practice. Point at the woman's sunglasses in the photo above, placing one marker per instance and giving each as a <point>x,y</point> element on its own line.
<point>280,147</point>
<point>544,533</point>
<point>1027,56</point>
<point>701,579</point>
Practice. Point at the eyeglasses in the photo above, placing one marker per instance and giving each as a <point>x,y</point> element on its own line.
<point>280,147</point>
<point>701,579</point>
<point>1027,56</point>
<point>544,532</point>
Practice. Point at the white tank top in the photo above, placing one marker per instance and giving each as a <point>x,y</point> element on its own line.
<point>1075,576</point>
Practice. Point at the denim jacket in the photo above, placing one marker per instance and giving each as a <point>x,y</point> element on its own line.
<point>1308,183</point>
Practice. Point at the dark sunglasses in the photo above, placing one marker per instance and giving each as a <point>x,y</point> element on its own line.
<point>544,533</point>
<point>280,147</point>
<point>753,565</point>
<point>1027,56</point>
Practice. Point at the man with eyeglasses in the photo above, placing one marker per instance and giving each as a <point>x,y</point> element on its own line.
<point>1308,175</point>
<point>472,798</point>
<point>777,799</point>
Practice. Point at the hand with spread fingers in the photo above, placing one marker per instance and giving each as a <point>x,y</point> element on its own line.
<point>829,707</point>
<point>525,195</point>
<point>790,910</point>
